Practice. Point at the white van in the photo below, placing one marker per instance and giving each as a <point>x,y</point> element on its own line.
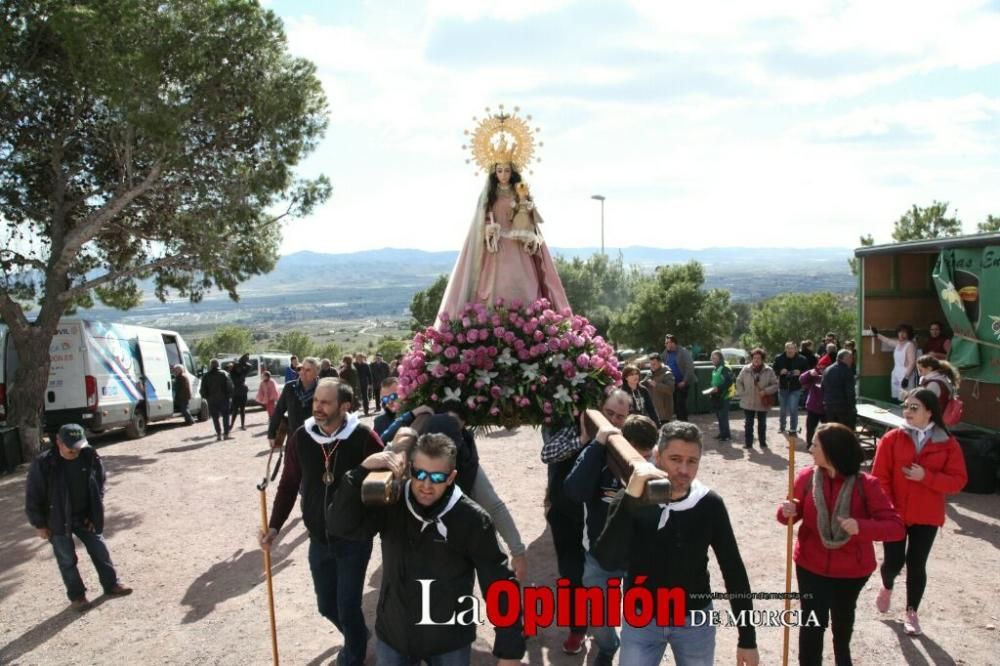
<point>104,375</point>
<point>274,362</point>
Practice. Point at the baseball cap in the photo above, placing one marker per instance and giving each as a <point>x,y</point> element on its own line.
<point>73,436</point>
<point>655,356</point>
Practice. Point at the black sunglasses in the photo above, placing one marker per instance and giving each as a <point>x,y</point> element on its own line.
<point>436,478</point>
<point>392,397</point>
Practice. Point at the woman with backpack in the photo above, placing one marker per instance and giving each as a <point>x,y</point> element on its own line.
<point>722,390</point>
<point>942,379</point>
<point>916,465</point>
<point>843,510</point>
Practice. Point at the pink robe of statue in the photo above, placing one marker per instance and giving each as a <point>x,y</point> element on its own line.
<point>510,273</point>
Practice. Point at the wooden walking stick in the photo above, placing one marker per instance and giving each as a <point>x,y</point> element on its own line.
<point>792,440</point>
<point>262,487</point>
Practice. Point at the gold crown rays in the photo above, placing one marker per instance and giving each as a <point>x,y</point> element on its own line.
<point>502,137</point>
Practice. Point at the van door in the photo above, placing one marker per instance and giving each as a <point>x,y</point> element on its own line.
<point>67,387</point>
<point>158,382</point>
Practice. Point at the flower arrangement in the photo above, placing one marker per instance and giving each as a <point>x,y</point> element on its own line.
<point>509,365</point>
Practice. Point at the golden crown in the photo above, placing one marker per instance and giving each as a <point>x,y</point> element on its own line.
<point>502,137</point>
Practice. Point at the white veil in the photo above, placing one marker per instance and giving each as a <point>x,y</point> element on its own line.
<point>464,278</point>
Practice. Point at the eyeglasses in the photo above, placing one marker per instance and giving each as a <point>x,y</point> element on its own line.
<point>912,407</point>
<point>392,397</point>
<point>436,478</point>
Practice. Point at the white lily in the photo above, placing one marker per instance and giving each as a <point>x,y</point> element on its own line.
<point>555,360</point>
<point>452,394</point>
<point>485,376</point>
<point>562,394</point>
<point>505,358</point>
<point>530,371</point>
<point>578,378</point>
<point>432,365</point>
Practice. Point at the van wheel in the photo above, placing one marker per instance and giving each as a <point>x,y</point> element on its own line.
<point>203,412</point>
<point>136,428</point>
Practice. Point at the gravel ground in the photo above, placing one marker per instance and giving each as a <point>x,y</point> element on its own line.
<point>183,511</point>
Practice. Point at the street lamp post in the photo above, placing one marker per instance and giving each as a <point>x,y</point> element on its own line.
<point>600,197</point>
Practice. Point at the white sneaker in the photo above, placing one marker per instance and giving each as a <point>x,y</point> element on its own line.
<point>911,625</point>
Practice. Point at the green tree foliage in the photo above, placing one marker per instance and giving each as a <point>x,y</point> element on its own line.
<point>389,347</point>
<point>741,327</point>
<point>799,317</point>
<point>141,140</point>
<point>853,262</point>
<point>225,340</point>
<point>425,304</point>
<point>674,301</point>
<point>597,287</point>
<point>297,343</point>
<point>926,223</point>
<point>330,350</point>
<point>992,223</point>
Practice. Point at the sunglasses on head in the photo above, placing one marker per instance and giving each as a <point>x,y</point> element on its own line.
<point>392,397</point>
<point>436,478</point>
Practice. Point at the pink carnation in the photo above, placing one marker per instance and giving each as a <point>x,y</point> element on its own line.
<point>451,352</point>
<point>460,377</point>
<point>495,391</point>
<point>472,336</point>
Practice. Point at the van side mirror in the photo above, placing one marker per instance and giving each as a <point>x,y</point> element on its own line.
<point>201,371</point>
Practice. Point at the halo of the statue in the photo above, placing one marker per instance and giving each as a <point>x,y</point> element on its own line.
<point>509,365</point>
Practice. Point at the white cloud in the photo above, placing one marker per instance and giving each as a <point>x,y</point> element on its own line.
<point>713,123</point>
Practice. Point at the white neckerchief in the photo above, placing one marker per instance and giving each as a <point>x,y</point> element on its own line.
<point>920,436</point>
<point>698,490</point>
<point>456,495</point>
<point>345,431</point>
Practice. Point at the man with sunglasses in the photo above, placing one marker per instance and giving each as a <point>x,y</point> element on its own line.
<point>318,455</point>
<point>437,534</point>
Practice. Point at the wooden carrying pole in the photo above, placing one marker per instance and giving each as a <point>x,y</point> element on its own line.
<point>380,488</point>
<point>792,440</point>
<point>262,488</point>
<point>623,459</point>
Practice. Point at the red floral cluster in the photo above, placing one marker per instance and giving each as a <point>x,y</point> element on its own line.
<point>509,365</point>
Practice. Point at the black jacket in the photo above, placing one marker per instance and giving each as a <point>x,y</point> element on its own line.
<point>410,554</point>
<point>789,380</point>
<point>380,370</point>
<point>239,373</point>
<point>294,405</point>
<point>838,388</point>
<point>640,402</point>
<point>677,554</point>
<point>364,374</point>
<point>216,385</point>
<point>47,501</point>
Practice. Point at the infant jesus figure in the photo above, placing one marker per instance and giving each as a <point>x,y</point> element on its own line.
<point>524,225</point>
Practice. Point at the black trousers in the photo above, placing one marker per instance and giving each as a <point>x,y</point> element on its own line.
<point>239,406</point>
<point>681,403</point>
<point>566,522</point>
<point>748,418</point>
<point>813,419</point>
<point>847,417</point>
<point>833,600</point>
<point>913,551</point>
<point>363,397</point>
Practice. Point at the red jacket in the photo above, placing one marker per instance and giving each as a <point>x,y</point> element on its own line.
<point>920,502</point>
<point>877,521</point>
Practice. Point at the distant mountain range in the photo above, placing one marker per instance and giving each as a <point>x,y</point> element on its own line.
<point>382,282</point>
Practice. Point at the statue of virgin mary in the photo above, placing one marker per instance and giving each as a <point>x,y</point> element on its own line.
<point>504,256</point>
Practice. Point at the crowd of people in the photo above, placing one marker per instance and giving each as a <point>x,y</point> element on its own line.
<point>451,527</point>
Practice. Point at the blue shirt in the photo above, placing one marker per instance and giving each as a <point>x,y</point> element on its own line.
<point>674,366</point>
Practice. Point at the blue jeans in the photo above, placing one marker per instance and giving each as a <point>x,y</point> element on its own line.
<point>692,646</point>
<point>788,402</point>
<point>722,414</point>
<point>338,573</point>
<point>65,551</point>
<point>385,655</point>
<point>594,576</point>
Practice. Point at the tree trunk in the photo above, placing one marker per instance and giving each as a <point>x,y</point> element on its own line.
<point>26,394</point>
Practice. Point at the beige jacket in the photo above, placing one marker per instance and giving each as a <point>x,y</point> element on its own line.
<point>660,385</point>
<point>749,386</point>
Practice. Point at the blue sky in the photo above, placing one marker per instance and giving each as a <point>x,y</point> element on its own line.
<point>798,123</point>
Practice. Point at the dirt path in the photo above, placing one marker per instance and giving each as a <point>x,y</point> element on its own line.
<point>183,512</point>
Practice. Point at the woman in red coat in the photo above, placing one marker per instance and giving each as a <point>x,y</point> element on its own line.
<point>917,465</point>
<point>842,510</point>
